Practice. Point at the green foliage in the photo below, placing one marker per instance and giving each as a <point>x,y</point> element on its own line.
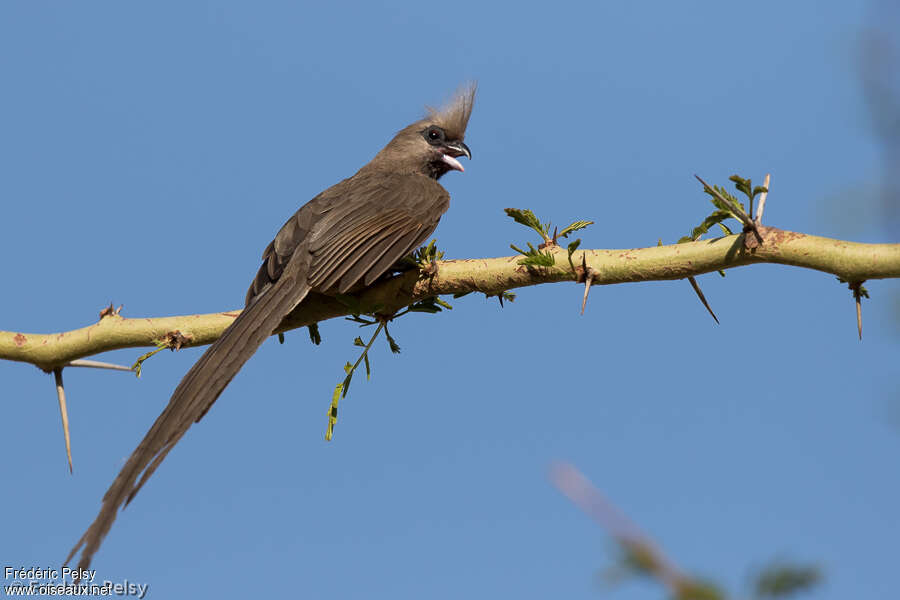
<point>728,204</point>
<point>528,219</point>
<point>340,391</point>
<point>428,254</point>
<point>428,305</point>
<point>534,257</point>
<point>727,207</point>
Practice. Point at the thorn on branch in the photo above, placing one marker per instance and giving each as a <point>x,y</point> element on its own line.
<point>585,274</point>
<point>109,311</point>
<point>858,293</point>
<point>762,200</point>
<point>700,295</point>
<point>63,412</point>
<point>96,364</point>
<point>501,296</point>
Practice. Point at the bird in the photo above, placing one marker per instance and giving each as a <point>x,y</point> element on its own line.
<point>348,236</point>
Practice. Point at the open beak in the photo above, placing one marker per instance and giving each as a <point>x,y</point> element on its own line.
<point>453,150</point>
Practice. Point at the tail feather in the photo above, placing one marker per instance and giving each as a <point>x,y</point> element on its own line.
<point>194,396</point>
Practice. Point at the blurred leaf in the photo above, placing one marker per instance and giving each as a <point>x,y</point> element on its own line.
<point>696,589</point>
<point>779,581</point>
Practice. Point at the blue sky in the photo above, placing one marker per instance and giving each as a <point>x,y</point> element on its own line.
<point>151,150</point>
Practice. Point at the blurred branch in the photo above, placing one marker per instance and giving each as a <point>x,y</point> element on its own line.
<point>849,260</point>
<point>642,557</point>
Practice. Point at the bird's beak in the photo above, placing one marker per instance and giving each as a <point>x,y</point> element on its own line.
<point>452,150</point>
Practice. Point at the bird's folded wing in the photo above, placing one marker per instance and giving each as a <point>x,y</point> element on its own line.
<point>346,235</point>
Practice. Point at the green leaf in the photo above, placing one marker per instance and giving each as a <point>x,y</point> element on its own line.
<point>333,412</point>
<point>572,247</point>
<point>574,227</point>
<point>358,342</point>
<point>528,219</point>
<point>540,259</point>
<point>443,303</point>
<point>395,348</point>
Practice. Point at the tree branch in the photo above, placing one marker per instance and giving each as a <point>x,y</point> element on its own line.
<point>851,261</point>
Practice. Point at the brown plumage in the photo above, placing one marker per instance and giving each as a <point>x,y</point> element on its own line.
<point>350,234</point>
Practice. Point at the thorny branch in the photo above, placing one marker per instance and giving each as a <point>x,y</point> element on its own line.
<point>848,260</point>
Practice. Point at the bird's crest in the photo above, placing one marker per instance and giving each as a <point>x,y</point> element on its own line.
<point>453,117</point>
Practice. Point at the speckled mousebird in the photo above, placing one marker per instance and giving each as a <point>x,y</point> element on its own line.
<point>350,234</point>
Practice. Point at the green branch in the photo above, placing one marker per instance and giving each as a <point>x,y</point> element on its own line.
<point>852,262</point>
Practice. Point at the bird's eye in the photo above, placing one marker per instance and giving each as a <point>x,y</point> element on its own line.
<point>434,134</point>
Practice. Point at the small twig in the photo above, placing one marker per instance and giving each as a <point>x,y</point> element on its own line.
<point>749,224</point>
<point>341,390</point>
<point>762,201</point>
<point>700,295</point>
<point>96,364</point>
<point>63,412</point>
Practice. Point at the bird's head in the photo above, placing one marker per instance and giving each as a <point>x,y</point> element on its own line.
<point>432,145</point>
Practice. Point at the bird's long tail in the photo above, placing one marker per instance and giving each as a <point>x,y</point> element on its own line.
<point>195,394</point>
